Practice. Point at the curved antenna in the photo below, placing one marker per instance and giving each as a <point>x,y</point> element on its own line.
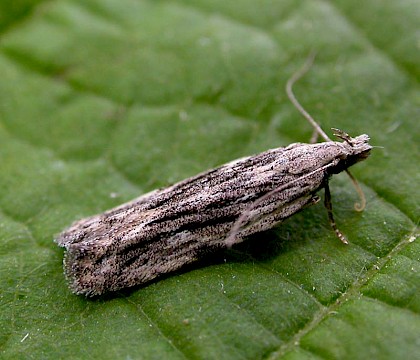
<point>295,77</point>
<point>358,206</point>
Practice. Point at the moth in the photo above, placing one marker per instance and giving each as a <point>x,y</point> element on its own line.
<point>166,229</point>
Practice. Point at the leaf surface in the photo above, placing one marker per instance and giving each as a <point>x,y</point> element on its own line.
<point>102,101</point>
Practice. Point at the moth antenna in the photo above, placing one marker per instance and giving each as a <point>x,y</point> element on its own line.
<point>295,77</point>
<point>358,206</point>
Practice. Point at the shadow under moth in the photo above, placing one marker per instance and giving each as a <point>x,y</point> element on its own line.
<point>166,229</point>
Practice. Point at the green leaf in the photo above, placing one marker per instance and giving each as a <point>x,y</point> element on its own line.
<point>104,100</point>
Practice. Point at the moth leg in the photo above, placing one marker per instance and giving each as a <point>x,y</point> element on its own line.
<point>328,205</point>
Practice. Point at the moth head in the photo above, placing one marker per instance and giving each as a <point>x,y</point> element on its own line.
<point>353,150</point>
<point>358,148</point>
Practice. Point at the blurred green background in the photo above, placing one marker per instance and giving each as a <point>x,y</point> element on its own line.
<point>102,101</point>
